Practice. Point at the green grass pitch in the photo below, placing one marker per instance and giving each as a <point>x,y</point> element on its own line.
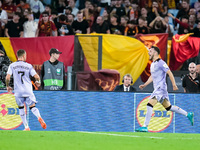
<point>64,140</point>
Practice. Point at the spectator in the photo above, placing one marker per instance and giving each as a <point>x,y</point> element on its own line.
<point>114,26</point>
<point>22,17</point>
<point>68,10</point>
<point>192,11</point>
<point>10,8</point>
<point>143,12</point>
<point>63,27</point>
<point>127,6</point>
<point>169,27</point>
<point>60,6</point>
<point>100,26</point>
<point>154,12</point>
<point>54,16</point>
<point>23,4</point>
<point>196,30</point>
<point>191,82</point>
<point>197,5</point>
<point>30,26</point>
<point>198,16</point>
<point>3,20</point>
<point>184,11</point>
<point>123,24</point>
<point>118,9</point>
<point>192,21</point>
<point>91,14</point>
<point>48,9</point>
<point>14,28</point>
<point>132,29</point>
<point>184,27</point>
<point>126,86</point>
<point>158,25</point>
<point>70,19</point>
<point>80,25</point>
<point>4,63</point>
<point>53,72</point>
<point>72,5</point>
<point>106,16</point>
<point>37,7</point>
<point>46,27</point>
<point>142,29</point>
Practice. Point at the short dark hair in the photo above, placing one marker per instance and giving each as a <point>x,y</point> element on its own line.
<point>17,14</point>
<point>23,1</point>
<point>45,12</point>
<point>156,49</point>
<point>185,16</point>
<point>69,8</point>
<point>20,52</point>
<point>63,18</point>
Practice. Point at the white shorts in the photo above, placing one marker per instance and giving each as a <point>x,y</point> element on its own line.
<point>28,100</point>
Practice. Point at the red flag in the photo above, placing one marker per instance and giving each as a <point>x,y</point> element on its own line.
<point>38,49</point>
<point>182,51</point>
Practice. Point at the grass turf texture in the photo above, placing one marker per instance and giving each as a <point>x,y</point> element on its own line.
<point>63,140</point>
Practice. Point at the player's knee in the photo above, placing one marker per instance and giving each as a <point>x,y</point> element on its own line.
<point>148,104</point>
<point>168,108</point>
<point>21,107</point>
<point>31,107</point>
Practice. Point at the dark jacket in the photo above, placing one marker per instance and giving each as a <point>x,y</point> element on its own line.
<point>120,88</point>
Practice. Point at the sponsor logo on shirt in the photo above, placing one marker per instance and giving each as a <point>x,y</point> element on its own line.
<point>160,119</point>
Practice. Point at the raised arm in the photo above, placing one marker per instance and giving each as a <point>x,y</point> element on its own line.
<point>142,86</point>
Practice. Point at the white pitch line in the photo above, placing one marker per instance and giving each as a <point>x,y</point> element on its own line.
<point>123,135</point>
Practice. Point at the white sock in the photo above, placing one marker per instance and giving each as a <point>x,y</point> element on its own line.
<point>36,112</point>
<point>148,116</point>
<point>178,110</point>
<point>23,117</point>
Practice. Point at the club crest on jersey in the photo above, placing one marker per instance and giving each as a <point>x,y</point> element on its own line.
<point>165,65</point>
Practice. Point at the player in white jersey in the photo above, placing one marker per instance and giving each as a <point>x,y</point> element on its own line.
<point>23,90</point>
<point>159,69</point>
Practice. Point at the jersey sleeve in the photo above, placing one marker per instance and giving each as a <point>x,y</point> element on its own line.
<point>9,70</point>
<point>32,71</point>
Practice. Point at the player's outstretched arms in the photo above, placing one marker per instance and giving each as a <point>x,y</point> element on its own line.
<point>146,83</point>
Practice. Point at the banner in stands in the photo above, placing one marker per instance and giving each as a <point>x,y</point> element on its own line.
<point>38,49</point>
<point>101,111</point>
<point>104,79</point>
<point>183,48</point>
<point>159,40</point>
<point>121,53</point>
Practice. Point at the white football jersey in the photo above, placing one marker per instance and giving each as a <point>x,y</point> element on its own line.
<point>21,72</point>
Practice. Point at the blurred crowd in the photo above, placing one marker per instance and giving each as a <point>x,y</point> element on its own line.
<point>34,18</point>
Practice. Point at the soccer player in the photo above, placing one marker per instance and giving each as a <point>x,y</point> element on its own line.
<point>23,90</point>
<point>159,69</point>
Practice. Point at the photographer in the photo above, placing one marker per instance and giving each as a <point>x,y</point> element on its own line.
<point>4,63</point>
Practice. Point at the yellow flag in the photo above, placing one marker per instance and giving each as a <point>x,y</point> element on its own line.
<point>8,48</point>
<point>122,53</point>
